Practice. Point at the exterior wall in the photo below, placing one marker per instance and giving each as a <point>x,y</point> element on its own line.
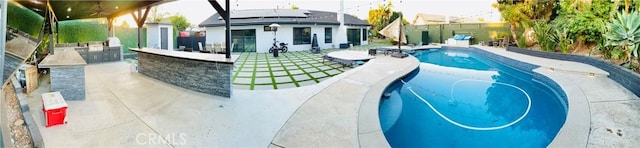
<point>361,36</point>
<point>153,35</point>
<point>264,39</point>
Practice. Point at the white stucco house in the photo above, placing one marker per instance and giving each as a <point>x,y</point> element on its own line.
<point>250,31</point>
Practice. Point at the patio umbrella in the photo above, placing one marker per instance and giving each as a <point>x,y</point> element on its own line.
<point>393,30</point>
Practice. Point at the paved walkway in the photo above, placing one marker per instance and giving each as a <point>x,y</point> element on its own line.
<point>262,71</point>
<point>602,113</point>
<point>345,113</point>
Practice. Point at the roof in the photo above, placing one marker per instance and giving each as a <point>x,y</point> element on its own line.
<point>422,19</point>
<point>159,23</point>
<point>86,9</point>
<point>282,16</point>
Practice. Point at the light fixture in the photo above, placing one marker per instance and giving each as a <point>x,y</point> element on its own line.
<point>117,7</point>
<point>69,9</point>
<point>274,25</point>
<point>67,16</point>
<point>36,2</point>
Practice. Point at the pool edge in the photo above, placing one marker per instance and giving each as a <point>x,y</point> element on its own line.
<point>369,130</point>
<point>576,128</point>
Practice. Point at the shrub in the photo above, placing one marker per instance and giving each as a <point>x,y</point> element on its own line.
<point>624,32</point>
<point>542,31</point>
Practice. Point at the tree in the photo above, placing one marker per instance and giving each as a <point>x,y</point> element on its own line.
<point>521,12</point>
<point>379,18</point>
<point>294,7</point>
<point>584,21</point>
<point>179,21</point>
<point>155,16</point>
<point>395,16</point>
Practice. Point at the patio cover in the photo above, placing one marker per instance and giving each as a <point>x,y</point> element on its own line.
<point>87,9</point>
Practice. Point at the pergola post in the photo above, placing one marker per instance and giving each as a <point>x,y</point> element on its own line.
<point>3,32</point>
<point>225,14</point>
<point>110,30</point>
<point>50,32</point>
<point>140,19</point>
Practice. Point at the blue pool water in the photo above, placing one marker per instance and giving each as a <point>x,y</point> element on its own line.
<point>459,98</point>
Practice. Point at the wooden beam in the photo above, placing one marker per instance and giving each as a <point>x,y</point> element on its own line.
<point>50,9</point>
<point>139,24</point>
<point>135,7</point>
<point>138,21</point>
<point>146,12</point>
<point>110,27</point>
<point>219,9</point>
<point>135,18</point>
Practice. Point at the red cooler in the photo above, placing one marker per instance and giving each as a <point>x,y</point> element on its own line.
<point>55,109</point>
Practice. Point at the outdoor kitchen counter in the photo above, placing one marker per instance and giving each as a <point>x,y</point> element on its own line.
<point>66,69</point>
<point>206,57</point>
<point>201,72</point>
<point>63,57</point>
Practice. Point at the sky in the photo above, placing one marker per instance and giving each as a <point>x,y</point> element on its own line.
<point>197,11</point>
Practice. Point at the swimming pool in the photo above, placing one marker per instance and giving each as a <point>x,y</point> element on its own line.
<point>466,98</point>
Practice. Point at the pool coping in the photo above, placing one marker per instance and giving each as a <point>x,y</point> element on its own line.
<point>370,133</point>
<point>574,132</point>
<point>576,128</point>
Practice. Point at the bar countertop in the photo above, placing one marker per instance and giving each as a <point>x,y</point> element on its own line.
<point>63,57</point>
<point>207,57</point>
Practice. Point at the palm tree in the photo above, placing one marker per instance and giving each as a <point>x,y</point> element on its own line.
<point>624,31</point>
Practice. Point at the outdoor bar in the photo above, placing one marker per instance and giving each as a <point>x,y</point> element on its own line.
<point>67,73</point>
<point>206,73</point>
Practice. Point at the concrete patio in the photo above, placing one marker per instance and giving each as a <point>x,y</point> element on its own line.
<point>132,110</point>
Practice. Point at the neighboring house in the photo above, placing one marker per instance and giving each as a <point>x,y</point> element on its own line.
<point>425,19</point>
<point>250,29</point>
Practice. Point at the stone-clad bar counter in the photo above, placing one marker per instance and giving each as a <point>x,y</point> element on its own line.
<point>66,68</point>
<point>201,72</point>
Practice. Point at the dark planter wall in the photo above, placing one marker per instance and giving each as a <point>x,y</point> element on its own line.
<point>625,77</point>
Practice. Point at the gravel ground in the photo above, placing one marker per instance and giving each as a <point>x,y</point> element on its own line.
<point>19,133</point>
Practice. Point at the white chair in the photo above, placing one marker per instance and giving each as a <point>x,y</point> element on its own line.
<point>217,47</point>
<point>200,46</point>
<point>209,47</point>
<point>224,48</point>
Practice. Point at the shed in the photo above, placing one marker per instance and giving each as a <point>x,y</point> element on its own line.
<point>160,36</point>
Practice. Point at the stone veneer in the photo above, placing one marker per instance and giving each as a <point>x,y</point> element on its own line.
<point>69,81</point>
<point>11,63</point>
<point>625,77</point>
<point>202,76</point>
